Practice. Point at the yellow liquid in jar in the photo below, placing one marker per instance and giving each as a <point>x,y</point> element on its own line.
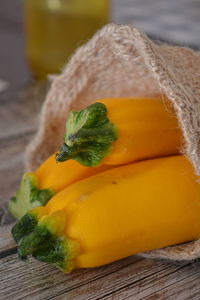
<point>55,28</point>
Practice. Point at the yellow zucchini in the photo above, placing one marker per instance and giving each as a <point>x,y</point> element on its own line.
<point>120,131</point>
<point>37,188</point>
<point>114,214</point>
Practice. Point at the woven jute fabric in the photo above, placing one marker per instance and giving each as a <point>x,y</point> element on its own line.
<point>120,61</point>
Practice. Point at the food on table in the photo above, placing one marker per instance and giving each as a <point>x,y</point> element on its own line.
<point>37,188</point>
<point>114,214</point>
<point>119,131</point>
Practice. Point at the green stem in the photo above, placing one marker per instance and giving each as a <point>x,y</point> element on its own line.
<point>89,136</point>
<point>44,238</point>
<point>28,196</point>
<point>24,226</point>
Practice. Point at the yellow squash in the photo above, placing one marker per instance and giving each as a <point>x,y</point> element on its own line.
<point>58,176</point>
<point>117,213</point>
<point>120,131</point>
<point>37,188</point>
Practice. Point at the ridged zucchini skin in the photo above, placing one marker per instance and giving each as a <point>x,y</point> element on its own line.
<point>120,131</point>
<point>114,214</point>
<point>38,188</point>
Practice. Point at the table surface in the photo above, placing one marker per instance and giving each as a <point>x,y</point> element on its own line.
<point>131,278</point>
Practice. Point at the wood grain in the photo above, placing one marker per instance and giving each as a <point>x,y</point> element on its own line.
<point>18,121</point>
<point>19,110</point>
<point>7,244</point>
<point>131,278</point>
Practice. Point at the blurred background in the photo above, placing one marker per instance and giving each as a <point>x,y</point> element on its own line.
<point>38,36</point>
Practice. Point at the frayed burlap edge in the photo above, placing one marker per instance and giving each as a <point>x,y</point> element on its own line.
<point>120,61</point>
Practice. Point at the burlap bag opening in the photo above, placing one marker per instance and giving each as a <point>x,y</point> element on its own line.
<point>120,61</point>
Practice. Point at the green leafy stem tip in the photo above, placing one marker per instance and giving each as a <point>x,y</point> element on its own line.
<point>88,136</point>
<point>43,237</point>
<point>28,196</point>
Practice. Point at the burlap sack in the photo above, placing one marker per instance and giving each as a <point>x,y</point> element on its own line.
<point>120,61</point>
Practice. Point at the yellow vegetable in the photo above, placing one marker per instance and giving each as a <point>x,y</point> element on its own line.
<point>37,188</point>
<point>117,213</point>
<point>120,131</point>
<point>58,176</point>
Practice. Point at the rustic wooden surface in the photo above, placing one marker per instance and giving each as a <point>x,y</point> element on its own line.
<point>132,278</point>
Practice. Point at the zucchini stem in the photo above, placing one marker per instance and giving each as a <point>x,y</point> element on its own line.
<point>43,237</point>
<point>88,137</point>
<point>28,196</point>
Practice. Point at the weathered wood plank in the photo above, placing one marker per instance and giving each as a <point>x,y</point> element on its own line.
<point>18,117</point>
<point>41,281</point>
<point>11,169</point>
<point>175,283</point>
<point>131,278</point>
<point>182,289</point>
<point>7,244</point>
<point>22,107</point>
<point>11,165</point>
<point>131,283</point>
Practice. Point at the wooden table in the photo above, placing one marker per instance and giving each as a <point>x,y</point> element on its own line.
<point>131,278</point>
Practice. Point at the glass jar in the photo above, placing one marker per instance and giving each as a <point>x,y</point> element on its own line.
<point>55,28</point>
